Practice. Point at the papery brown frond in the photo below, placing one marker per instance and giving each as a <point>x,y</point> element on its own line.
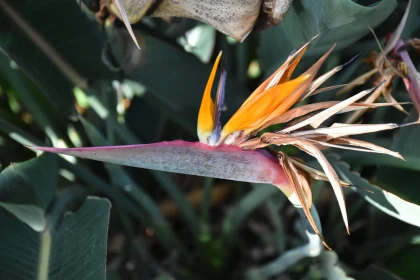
<point>300,184</point>
<point>358,81</point>
<point>320,80</point>
<point>319,118</point>
<point>390,99</point>
<point>234,18</point>
<point>310,108</point>
<point>314,173</point>
<point>311,149</point>
<point>369,100</point>
<point>364,144</point>
<point>298,181</point>
<point>341,130</point>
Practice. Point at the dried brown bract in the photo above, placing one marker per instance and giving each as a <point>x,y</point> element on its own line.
<point>236,18</point>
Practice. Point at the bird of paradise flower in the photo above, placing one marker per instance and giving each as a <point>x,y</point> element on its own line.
<point>236,151</point>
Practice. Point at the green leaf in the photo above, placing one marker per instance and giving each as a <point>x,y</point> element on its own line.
<point>75,250</point>
<point>381,199</point>
<point>403,180</point>
<point>33,216</point>
<point>27,189</point>
<point>31,182</point>
<point>339,21</point>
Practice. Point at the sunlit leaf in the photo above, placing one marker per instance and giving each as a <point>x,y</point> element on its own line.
<point>27,189</point>
<point>383,200</point>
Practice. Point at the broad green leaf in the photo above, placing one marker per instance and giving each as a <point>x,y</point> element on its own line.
<point>27,189</point>
<point>339,21</point>
<point>380,198</point>
<point>33,216</point>
<point>403,179</point>
<point>75,250</point>
<point>31,182</point>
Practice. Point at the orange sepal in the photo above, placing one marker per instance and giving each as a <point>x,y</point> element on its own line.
<point>205,123</point>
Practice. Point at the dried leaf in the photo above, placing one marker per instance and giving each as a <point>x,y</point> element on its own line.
<point>324,89</point>
<point>371,98</point>
<point>358,81</point>
<point>295,180</point>
<point>315,173</point>
<point>310,108</point>
<point>364,144</point>
<point>340,130</point>
<point>312,150</point>
<point>319,118</point>
<point>319,81</point>
<point>389,98</point>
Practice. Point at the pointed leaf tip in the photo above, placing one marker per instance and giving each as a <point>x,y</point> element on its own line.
<point>126,21</point>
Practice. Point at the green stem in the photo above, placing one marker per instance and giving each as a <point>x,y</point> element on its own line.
<point>44,255</point>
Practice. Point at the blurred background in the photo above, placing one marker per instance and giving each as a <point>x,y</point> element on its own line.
<point>71,76</point>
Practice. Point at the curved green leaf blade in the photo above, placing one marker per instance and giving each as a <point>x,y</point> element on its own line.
<point>27,189</point>
<point>75,250</point>
<point>381,199</point>
<point>30,182</point>
<point>403,180</point>
<point>31,215</point>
